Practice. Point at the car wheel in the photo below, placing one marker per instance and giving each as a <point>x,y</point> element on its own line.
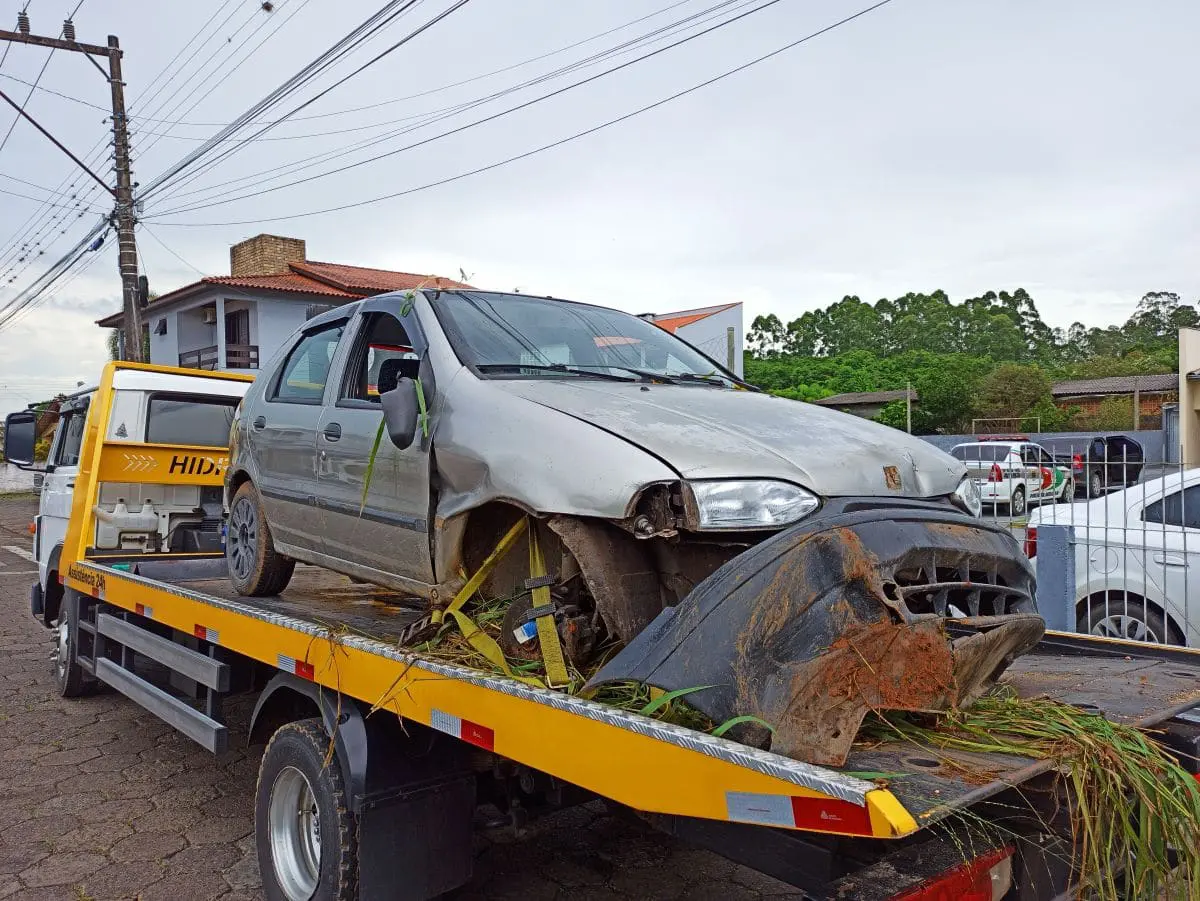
<point>1129,620</point>
<point>303,828</point>
<point>1016,506</point>
<point>1095,485</point>
<point>255,568</point>
<point>1068,493</point>
<point>69,676</point>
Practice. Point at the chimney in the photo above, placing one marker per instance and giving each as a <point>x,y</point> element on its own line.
<point>265,255</point>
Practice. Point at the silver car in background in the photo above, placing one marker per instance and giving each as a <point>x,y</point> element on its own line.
<point>646,464</point>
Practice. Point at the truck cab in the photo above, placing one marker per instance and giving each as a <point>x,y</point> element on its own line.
<point>147,408</point>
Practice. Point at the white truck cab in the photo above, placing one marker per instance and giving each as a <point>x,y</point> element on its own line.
<point>148,408</point>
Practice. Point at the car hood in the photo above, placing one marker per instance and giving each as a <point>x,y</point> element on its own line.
<point>711,433</point>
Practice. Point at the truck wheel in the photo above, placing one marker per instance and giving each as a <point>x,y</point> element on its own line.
<point>1095,485</point>
<point>303,828</point>
<point>255,568</point>
<point>69,676</point>
<point>1016,506</point>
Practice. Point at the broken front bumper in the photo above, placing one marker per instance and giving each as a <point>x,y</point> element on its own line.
<point>842,614</point>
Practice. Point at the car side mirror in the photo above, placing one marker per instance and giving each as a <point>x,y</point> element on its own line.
<point>20,437</point>
<point>400,412</point>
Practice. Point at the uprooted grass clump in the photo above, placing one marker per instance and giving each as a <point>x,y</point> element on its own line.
<point>1135,813</point>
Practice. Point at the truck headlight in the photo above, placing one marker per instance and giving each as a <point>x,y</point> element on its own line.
<point>967,498</point>
<point>750,504</point>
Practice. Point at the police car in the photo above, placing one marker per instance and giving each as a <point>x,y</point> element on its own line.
<point>1012,471</point>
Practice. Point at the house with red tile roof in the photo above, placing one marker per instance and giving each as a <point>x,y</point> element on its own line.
<point>237,321</point>
<point>716,331</point>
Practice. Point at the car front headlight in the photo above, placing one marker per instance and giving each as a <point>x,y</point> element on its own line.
<point>967,498</point>
<point>750,504</point>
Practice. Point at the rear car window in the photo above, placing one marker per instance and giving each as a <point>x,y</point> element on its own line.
<point>200,421</point>
<point>986,453</point>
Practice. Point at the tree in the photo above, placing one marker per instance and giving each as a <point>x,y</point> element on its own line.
<point>766,335</point>
<point>1011,390</point>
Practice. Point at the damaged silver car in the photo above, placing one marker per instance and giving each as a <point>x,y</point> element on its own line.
<point>397,439</point>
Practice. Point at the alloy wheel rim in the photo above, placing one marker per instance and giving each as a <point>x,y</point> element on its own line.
<point>294,823</point>
<point>1123,626</point>
<point>242,538</point>
<point>62,649</point>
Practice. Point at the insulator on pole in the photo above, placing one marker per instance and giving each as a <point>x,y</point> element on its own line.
<point>69,30</point>
<point>23,22</point>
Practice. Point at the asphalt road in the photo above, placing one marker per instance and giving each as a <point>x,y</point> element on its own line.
<point>103,801</point>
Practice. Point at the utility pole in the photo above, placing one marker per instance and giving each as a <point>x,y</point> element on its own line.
<point>123,214</point>
<point>127,260</point>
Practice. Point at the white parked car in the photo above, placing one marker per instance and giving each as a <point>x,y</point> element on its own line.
<point>1134,553</point>
<point>1014,472</point>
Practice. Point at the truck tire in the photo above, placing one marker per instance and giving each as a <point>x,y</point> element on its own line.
<point>1016,506</point>
<point>1095,484</point>
<point>69,677</point>
<point>255,568</point>
<point>303,828</point>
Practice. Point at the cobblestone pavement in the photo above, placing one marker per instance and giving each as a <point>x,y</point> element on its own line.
<point>101,800</point>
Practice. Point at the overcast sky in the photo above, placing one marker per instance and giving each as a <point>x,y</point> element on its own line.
<point>965,145</point>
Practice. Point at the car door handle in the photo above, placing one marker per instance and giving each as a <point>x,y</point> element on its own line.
<point>333,431</point>
<point>260,423</point>
<point>1170,560</point>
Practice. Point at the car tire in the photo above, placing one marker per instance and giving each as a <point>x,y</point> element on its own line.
<point>1016,506</point>
<point>69,676</point>
<point>303,829</point>
<point>1068,493</point>
<point>256,569</point>
<point>1130,619</point>
<point>1095,485</point>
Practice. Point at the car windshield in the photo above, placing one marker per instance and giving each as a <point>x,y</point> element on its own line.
<point>506,335</point>
<point>987,453</point>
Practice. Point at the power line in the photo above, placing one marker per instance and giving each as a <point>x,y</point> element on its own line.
<point>526,104</point>
<point>164,246</point>
<point>278,173</point>
<point>553,144</point>
<point>446,87</point>
<point>372,25</point>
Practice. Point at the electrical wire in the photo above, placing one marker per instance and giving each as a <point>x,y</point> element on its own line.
<point>553,144</point>
<point>337,51</point>
<point>29,297</point>
<point>163,245</point>
<point>521,106</point>
<point>446,87</point>
<point>277,173</point>
<point>30,84</point>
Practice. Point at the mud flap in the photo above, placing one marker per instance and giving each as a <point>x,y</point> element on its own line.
<point>813,628</point>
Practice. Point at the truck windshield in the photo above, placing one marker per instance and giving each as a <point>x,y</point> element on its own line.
<point>181,419</point>
<point>510,336</point>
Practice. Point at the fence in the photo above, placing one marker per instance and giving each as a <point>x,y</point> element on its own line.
<point>1113,528</point>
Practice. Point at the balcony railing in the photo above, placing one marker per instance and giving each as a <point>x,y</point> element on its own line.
<point>237,356</point>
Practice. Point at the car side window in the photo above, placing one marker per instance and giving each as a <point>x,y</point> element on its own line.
<point>306,370</point>
<point>382,352</point>
<point>1179,509</point>
<point>71,442</point>
<point>1029,456</point>
<point>1046,458</point>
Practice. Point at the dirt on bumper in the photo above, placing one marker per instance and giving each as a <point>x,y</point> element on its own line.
<point>843,614</point>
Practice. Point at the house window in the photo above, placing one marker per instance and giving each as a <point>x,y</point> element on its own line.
<point>161,327</point>
<point>314,310</point>
<point>237,327</point>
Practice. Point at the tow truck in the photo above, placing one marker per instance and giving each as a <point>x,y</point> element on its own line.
<point>377,755</point>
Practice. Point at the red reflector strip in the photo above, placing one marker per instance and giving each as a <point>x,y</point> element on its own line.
<point>823,814</point>
<point>206,634</point>
<point>143,610</point>
<point>473,733</point>
<point>62,579</point>
<point>828,815</point>
<point>971,881</point>
<point>296,667</point>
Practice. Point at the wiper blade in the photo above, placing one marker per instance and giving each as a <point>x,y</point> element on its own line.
<point>644,374</point>
<point>552,367</point>
<point>701,379</point>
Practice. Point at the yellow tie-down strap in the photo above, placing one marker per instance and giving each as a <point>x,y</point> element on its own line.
<point>162,464</point>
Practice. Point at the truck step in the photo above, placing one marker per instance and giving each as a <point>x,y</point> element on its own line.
<point>185,661</point>
<point>191,722</point>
